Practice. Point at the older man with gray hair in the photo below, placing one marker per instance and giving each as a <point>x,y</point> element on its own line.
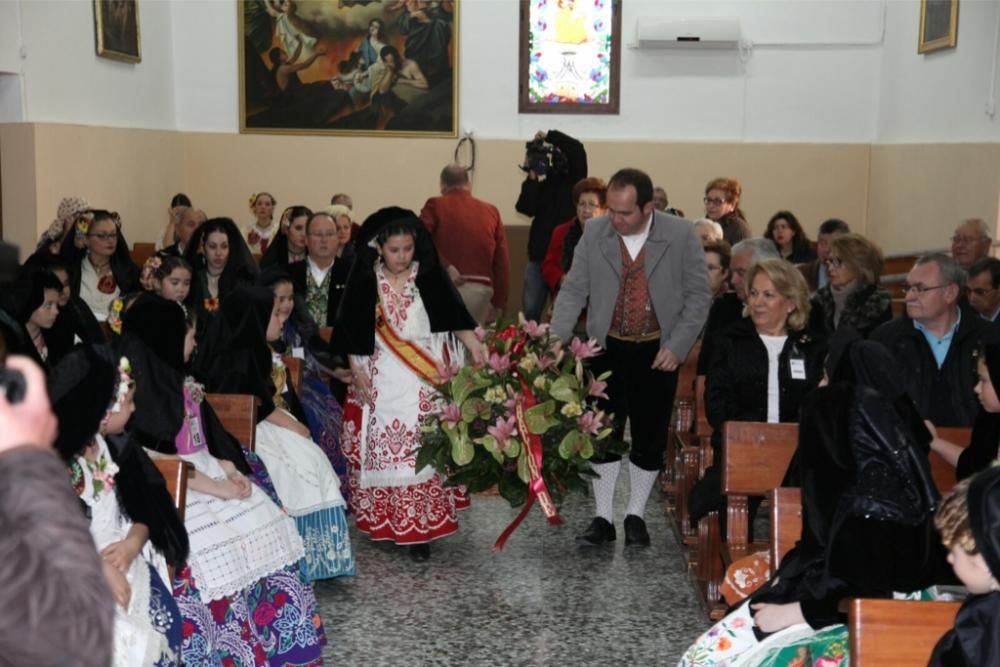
<point>971,242</point>
<point>727,309</point>
<point>935,343</point>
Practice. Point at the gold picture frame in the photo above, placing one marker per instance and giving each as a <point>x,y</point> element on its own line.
<point>938,25</point>
<point>116,30</point>
<point>326,72</point>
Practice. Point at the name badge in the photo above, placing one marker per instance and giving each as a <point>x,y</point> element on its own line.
<point>798,368</point>
<point>299,352</point>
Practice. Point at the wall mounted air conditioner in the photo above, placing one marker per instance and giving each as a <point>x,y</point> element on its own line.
<point>694,33</point>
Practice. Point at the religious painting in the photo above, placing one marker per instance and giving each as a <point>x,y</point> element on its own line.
<point>116,29</point>
<point>350,67</point>
<point>938,25</point>
<point>570,56</point>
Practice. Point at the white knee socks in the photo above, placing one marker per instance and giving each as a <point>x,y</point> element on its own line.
<point>641,482</point>
<point>604,488</point>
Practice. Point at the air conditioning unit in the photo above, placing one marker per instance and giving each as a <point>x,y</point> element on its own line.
<point>693,33</point>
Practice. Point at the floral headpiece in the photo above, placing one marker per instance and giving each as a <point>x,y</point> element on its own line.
<point>125,384</point>
<point>148,269</point>
<point>255,196</point>
<point>83,224</point>
<point>115,315</point>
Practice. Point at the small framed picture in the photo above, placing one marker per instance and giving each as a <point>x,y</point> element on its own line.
<point>938,25</point>
<point>116,29</point>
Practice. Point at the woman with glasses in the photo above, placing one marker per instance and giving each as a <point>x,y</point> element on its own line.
<point>787,234</point>
<point>722,204</point>
<point>101,270</point>
<point>852,298</point>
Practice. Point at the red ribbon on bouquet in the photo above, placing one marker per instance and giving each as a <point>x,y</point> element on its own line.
<point>536,486</point>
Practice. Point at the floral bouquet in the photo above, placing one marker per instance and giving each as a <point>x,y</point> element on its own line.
<point>526,421</point>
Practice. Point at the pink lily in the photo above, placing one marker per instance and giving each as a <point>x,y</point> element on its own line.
<point>447,371</point>
<point>451,414</point>
<point>582,350</point>
<point>543,362</point>
<point>497,363</point>
<point>596,388</point>
<point>590,422</point>
<point>503,430</point>
<point>535,329</point>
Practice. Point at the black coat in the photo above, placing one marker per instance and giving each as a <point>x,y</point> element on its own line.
<point>338,281</point>
<point>736,384</point>
<point>550,202</point>
<point>944,396</point>
<point>75,320</point>
<point>975,639</point>
<point>725,310</point>
<point>865,309</point>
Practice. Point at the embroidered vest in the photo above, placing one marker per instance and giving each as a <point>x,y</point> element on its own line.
<point>318,297</point>
<point>634,314</point>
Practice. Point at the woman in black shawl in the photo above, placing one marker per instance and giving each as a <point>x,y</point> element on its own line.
<point>222,263</point>
<point>126,500</point>
<point>34,302</point>
<point>397,296</point>
<point>289,244</point>
<point>102,269</point>
<point>867,506</point>
<point>235,359</point>
<point>225,514</point>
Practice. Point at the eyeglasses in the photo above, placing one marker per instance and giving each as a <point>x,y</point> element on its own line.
<point>921,289</point>
<point>714,201</point>
<point>982,291</point>
<point>965,240</point>
<point>103,236</point>
<point>323,235</point>
<point>834,262</point>
<point>713,267</point>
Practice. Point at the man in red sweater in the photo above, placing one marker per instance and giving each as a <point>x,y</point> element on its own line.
<point>471,243</point>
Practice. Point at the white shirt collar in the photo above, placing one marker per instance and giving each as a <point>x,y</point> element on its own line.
<point>318,274</point>
<point>634,242</point>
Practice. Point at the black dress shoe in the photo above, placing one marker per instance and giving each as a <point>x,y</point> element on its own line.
<point>420,552</point>
<point>600,531</point>
<point>636,534</point>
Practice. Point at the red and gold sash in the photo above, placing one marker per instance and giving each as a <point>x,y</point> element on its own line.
<point>411,355</point>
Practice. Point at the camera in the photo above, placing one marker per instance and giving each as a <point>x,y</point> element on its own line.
<point>544,159</point>
<point>12,385</point>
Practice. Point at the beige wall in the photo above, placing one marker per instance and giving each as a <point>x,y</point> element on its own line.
<point>905,197</point>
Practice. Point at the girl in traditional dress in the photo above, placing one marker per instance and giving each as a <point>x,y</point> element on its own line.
<point>235,359</point>
<point>299,338</point>
<point>169,276</point>
<point>37,303</point>
<point>289,246</point>
<point>222,263</point>
<point>260,233</point>
<point>147,627</point>
<point>398,320</point>
<point>244,597</point>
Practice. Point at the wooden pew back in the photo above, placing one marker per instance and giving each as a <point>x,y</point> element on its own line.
<point>786,522</point>
<point>175,471</point>
<point>896,632</point>
<point>238,414</point>
<point>326,333</point>
<point>295,368</point>
<point>942,471</point>
<point>141,252</point>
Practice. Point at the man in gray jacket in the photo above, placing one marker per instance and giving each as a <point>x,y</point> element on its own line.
<point>641,276</point>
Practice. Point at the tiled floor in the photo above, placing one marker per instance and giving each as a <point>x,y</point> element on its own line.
<point>541,601</point>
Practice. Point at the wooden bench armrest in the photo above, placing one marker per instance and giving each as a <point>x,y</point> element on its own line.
<point>238,414</point>
<point>176,472</point>
<point>896,632</point>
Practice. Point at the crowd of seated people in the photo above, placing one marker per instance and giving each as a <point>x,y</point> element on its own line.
<point>216,308</point>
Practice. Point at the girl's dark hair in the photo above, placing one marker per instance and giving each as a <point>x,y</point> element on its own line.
<point>100,215</point>
<point>167,265</point>
<point>298,211</point>
<point>180,199</point>
<point>395,229</point>
<point>800,239</point>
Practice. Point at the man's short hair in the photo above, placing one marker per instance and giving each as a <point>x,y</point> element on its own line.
<point>638,179</point>
<point>979,224</point>
<point>454,176</point>
<point>722,249</point>
<point>951,271</point>
<point>991,264</point>
<point>341,198</point>
<point>761,248</point>
<point>834,226</point>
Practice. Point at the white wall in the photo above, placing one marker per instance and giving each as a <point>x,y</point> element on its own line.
<point>64,81</point>
<point>848,86</point>
<point>939,96</point>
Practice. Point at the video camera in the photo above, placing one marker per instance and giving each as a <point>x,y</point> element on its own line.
<point>544,159</point>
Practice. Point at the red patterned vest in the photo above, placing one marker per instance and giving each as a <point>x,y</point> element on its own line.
<point>634,314</point>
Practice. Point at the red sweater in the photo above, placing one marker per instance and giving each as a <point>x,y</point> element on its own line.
<point>552,271</point>
<point>469,235</point>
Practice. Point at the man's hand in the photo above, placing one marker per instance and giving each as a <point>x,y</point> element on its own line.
<point>666,361</point>
<point>31,421</point>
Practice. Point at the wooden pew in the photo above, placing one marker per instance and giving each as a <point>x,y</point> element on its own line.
<point>689,462</point>
<point>896,632</point>
<point>175,471</point>
<point>786,522</point>
<point>238,414</point>
<point>942,471</point>
<point>326,333</point>
<point>295,368</point>
<point>141,252</point>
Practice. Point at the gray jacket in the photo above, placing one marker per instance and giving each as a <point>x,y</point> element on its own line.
<point>675,273</point>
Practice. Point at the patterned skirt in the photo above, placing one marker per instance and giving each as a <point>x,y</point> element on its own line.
<point>412,514</point>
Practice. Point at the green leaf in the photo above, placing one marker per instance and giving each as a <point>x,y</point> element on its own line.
<point>569,444</point>
<point>489,443</point>
<point>461,385</point>
<point>603,433</point>
<point>537,417</point>
<point>565,389</point>
<point>425,457</point>
<point>462,450</point>
<point>513,448</point>
<point>475,407</point>
<point>587,450</point>
<point>522,468</point>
